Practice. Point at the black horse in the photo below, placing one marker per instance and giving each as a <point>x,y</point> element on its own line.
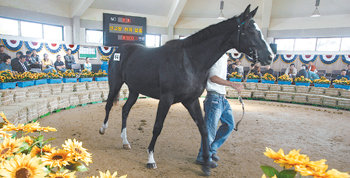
<point>178,72</point>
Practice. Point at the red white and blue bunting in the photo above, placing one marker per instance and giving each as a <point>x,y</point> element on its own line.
<point>346,58</point>
<point>288,58</point>
<point>306,58</point>
<point>74,48</point>
<point>31,45</point>
<point>329,59</point>
<point>236,55</point>
<point>53,47</point>
<point>105,51</point>
<point>13,45</point>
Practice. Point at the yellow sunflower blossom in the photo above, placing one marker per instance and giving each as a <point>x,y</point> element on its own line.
<point>4,118</point>
<point>108,175</point>
<point>273,155</point>
<point>22,166</point>
<point>36,151</point>
<point>57,158</point>
<point>264,176</point>
<point>8,147</point>
<point>333,173</point>
<point>27,139</point>
<point>3,134</point>
<point>65,174</point>
<point>77,151</point>
<point>31,127</point>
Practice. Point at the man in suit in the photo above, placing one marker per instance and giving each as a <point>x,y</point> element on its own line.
<point>69,59</point>
<point>21,65</point>
<point>18,54</point>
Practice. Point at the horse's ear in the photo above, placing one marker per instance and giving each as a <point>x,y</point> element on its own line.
<point>252,14</point>
<point>246,11</point>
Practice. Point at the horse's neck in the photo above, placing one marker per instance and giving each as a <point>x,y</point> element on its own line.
<point>205,54</point>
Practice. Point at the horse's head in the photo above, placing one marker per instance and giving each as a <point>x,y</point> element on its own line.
<point>250,39</point>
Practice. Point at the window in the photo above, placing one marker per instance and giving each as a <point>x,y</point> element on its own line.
<point>94,36</point>
<point>285,44</point>
<point>29,29</point>
<point>305,44</point>
<point>328,44</point>
<point>8,27</point>
<point>345,44</point>
<point>52,32</point>
<point>153,40</point>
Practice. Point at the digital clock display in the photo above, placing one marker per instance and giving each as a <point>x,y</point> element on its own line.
<point>119,29</point>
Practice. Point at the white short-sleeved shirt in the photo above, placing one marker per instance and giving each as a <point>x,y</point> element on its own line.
<point>219,69</point>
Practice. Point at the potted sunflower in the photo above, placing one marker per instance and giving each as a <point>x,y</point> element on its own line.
<point>69,76</point>
<point>7,80</point>
<point>25,79</point>
<point>302,81</point>
<point>342,83</point>
<point>284,80</point>
<point>86,76</point>
<point>268,78</point>
<point>235,77</point>
<point>40,78</point>
<point>54,77</point>
<point>322,82</point>
<point>101,76</point>
<point>253,78</point>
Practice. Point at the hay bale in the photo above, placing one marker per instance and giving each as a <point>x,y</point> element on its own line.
<point>22,114</point>
<point>32,111</point>
<point>80,87</point>
<point>332,92</point>
<point>42,105</point>
<point>56,89</point>
<point>302,89</point>
<point>0,98</point>
<point>52,104</point>
<point>232,93</point>
<point>274,87</point>
<point>246,94</point>
<point>317,90</point>
<point>263,86</point>
<point>271,96</point>
<point>33,92</point>
<point>288,88</point>
<point>7,97</point>
<point>73,99</point>
<point>344,103</point>
<point>315,99</point>
<point>63,101</point>
<point>250,86</point>
<point>103,85</point>
<point>11,112</point>
<point>104,95</point>
<point>258,94</point>
<point>329,101</point>
<point>95,96</point>
<point>286,96</point>
<point>91,86</point>
<point>345,93</point>
<point>45,91</point>
<point>67,87</point>
<point>20,94</point>
<point>300,98</point>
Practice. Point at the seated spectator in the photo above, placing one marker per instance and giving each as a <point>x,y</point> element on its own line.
<point>303,71</point>
<point>59,65</point>
<point>20,65</point>
<point>35,61</point>
<point>343,75</point>
<point>47,65</point>
<point>291,71</point>
<point>28,57</point>
<point>312,67</point>
<point>2,53</point>
<point>268,70</point>
<point>69,59</point>
<point>6,63</point>
<point>18,54</point>
<point>348,70</point>
<point>87,65</point>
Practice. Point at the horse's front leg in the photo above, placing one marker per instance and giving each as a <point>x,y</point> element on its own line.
<point>163,108</point>
<point>125,112</point>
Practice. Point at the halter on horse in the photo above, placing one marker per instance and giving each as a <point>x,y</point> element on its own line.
<point>178,72</point>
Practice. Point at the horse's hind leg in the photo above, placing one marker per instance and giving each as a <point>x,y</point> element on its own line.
<point>113,92</point>
<point>126,109</point>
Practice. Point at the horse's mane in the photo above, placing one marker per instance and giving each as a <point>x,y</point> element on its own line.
<point>211,31</point>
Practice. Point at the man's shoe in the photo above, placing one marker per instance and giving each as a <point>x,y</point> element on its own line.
<point>215,157</point>
<point>212,164</point>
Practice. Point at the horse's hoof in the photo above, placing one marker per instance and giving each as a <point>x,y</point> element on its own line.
<point>206,170</point>
<point>102,131</point>
<point>126,146</point>
<point>151,166</point>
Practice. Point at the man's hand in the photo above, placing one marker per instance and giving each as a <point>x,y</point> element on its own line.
<point>238,87</point>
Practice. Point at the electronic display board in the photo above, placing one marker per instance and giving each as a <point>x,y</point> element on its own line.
<point>119,29</point>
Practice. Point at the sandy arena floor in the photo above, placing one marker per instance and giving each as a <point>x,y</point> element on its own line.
<point>318,132</point>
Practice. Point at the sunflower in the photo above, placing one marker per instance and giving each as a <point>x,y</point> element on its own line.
<point>57,158</point>
<point>333,173</point>
<point>64,174</point>
<point>4,134</point>
<point>8,147</point>
<point>35,127</point>
<point>27,139</point>
<point>22,166</point>
<point>36,151</point>
<point>10,127</point>
<point>4,118</point>
<point>77,151</point>
<point>108,175</point>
